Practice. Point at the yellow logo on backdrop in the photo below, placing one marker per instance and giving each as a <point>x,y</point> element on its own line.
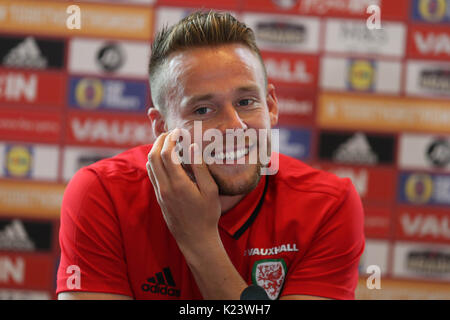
<point>419,188</point>
<point>432,10</point>
<point>89,93</point>
<point>18,161</point>
<point>361,75</point>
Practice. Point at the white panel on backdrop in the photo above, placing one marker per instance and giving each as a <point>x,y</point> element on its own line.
<point>353,37</point>
<point>167,16</point>
<point>376,252</point>
<point>29,161</point>
<point>77,157</point>
<point>360,75</point>
<point>109,57</point>
<point>428,78</point>
<point>424,151</point>
<point>421,261</point>
<point>284,33</point>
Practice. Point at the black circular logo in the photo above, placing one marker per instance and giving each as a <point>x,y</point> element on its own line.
<point>110,57</point>
<point>438,153</point>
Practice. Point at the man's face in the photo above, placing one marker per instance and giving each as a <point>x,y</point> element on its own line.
<point>224,88</point>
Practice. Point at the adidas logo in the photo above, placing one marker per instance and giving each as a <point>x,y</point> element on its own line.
<point>162,283</point>
<point>356,150</point>
<point>15,237</point>
<point>26,55</point>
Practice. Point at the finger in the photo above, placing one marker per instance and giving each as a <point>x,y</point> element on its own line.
<point>205,181</point>
<point>155,188</point>
<point>156,164</point>
<point>170,159</point>
<point>152,178</point>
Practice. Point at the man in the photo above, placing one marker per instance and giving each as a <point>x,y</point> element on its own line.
<point>141,225</point>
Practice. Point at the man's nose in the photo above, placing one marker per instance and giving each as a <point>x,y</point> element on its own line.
<point>230,119</point>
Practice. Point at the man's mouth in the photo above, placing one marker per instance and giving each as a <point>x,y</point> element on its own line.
<point>232,154</point>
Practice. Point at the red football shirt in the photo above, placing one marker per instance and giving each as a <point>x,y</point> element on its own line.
<point>298,232</point>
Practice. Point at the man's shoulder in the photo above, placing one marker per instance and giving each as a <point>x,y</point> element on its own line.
<point>120,177</point>
<point>312,195</point>
<point>299,177</point>
<point>128,163</point>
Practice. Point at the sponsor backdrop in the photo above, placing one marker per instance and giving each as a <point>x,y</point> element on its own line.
<point>369,104</point>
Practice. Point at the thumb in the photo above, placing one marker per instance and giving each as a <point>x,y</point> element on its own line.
<point>205,181</point>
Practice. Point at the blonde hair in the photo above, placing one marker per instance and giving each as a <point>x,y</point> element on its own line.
<point>199,29</point>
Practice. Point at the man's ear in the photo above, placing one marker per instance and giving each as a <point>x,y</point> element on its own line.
<point>272,104</point>
<point>157,120</point>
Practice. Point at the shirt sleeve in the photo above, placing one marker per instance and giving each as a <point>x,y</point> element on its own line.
<point>92,254</point>
<point>329,268</point>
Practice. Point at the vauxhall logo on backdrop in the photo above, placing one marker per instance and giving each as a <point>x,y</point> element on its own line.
<point>432,43</point>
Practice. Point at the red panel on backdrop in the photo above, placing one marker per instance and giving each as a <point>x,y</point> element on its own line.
<point>377,221</point>
<point>32,88</point>
<point>429,42</point>
<point>295,106</point>
<point>422,224</point>
<point>107,129</point>
<point>33,126</point>
<point>291,70</point>
<point>30,271</point>
<point>374,184</point>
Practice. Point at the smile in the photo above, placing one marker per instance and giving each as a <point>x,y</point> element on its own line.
<point>233,155</point>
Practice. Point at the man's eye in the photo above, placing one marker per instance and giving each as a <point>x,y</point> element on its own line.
<point>202,110</point>
<point>246,102</point>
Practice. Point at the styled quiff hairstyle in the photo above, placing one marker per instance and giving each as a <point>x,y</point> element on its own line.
<point>199,29</point>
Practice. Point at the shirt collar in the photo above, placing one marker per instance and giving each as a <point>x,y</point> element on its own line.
<point>236,220</point>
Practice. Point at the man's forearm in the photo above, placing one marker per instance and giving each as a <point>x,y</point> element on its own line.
<point>214,273</point>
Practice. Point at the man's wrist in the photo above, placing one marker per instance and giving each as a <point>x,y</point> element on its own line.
<point>201,248</point>
<point>213,270</point>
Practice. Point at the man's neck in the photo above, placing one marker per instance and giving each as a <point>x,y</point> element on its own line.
<point>228,202</point>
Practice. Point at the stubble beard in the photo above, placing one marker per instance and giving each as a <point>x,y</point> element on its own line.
<point>228,187</point>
